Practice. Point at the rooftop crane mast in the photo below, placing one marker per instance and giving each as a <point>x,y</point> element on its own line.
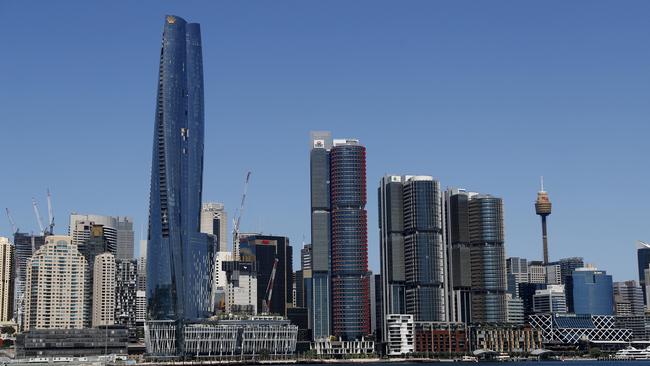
<point>266,302</point>
<point>237,220</point>
<point>50,215</point>
<point>11,220</point>
<point>38,216</point>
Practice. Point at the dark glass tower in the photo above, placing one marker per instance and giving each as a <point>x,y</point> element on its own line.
<point>643,261</point>
<point>459,276</point>
<point>487,257</point>
<point>179,257</point>
<point>320,310</point>
<point>349,222</point>
<point>412,250</point>
<point>26,245</point>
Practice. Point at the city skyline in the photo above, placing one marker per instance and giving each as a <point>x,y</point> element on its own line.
<point>516,167</point>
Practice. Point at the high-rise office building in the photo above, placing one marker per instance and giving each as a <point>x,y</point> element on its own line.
<point>515,310</point>
<point>267,252</point>
<point>179,256</point>
<point>126,284</point>
<point>319,160</point>
<point>592,292</point>
<point>340,286</point>
<point>55,286</point>
<point>643,261</point>
<point>412,250</point>
<point>25,246</point>
<point>305,257</point>
<point>487,256</point>
<point>117,230</point>
<point>349,240</point>
<point>553,274</point>
<point>628,299</point>
<point>517,271</point>
<point>459,270</point>
<point>568,265</point>
<point>391,232</point>
<point>214,221</point>
<point>536,272</point>
<point>550,300</point>
<point>7,251</point>
<point>103,303</point>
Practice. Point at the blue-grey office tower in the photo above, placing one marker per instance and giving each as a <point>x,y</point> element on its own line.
<point>487,258</point>
<point>321,143</point>
<point>179,257</point>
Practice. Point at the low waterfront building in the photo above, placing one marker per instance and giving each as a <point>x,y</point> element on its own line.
<point>440,337</point>
<point>399,333</point>
<point>560,330</point>
<point>338,347</point>
<point>506,338</point>
<point>72,342</point>
<point>229,338</point>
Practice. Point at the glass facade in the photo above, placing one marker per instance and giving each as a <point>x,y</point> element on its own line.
<point>349,241</point>
<point>488,262</point>
<point>179,257</point>
<point>593,292</point>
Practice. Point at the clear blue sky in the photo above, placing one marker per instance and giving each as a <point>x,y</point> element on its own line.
<point>482,95</point>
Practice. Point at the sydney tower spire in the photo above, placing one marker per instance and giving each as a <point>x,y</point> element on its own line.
<point>543,209</point>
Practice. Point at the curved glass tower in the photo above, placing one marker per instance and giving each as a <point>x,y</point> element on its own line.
<point>488,262</point>
<point>350,286</point>
<point>179,257</point>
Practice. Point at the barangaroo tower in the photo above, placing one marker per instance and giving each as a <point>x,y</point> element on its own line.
<point>179,256</point>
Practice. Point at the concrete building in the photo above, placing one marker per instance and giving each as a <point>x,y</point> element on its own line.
<point>126,285</point>
<point>7,252</point>
<point>628,299</point>
<point>118,231</point>
<point>214,221</point>
<point>550,300</point>
<point>515,309</point>
<point>103,305</point>
<point>72,342</point>
<point>554,274</point>
<point>400,334</point>
<point>432,338</point>
<point>337,347</point>
<point>220,282</point>
<point>536,272</point>
<point>517,272</point>
<point>506,338</point>
<point>140,307</point>
<point>241,291</point>
<point>55,286</point>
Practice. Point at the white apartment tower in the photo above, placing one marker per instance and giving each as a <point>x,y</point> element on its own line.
<point>117,230</point>
<point>54,289</point>
<point>104,290</point>
<point>6,283</point>
<point>214,221</point>
<point>400,334</point>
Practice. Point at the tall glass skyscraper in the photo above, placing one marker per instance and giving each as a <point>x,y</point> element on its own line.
<point>350,282</point>
<point>412,249</point>
<point>179,256</point>
<point>487,257</point>
<point>593,292</point>
<point>340,284</point>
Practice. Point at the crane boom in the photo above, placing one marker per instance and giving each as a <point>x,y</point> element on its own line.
<point>11,221</point>
<point>50,215</point>
<point>38,216</point>
<point>269,289</point>
<point>237,220</point>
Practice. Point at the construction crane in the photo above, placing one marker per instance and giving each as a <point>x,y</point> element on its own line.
<point>38,216</point>
<point>11,221</point>
<point>50,215</point>
<point>237,220</point>
<point>266,302</point>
